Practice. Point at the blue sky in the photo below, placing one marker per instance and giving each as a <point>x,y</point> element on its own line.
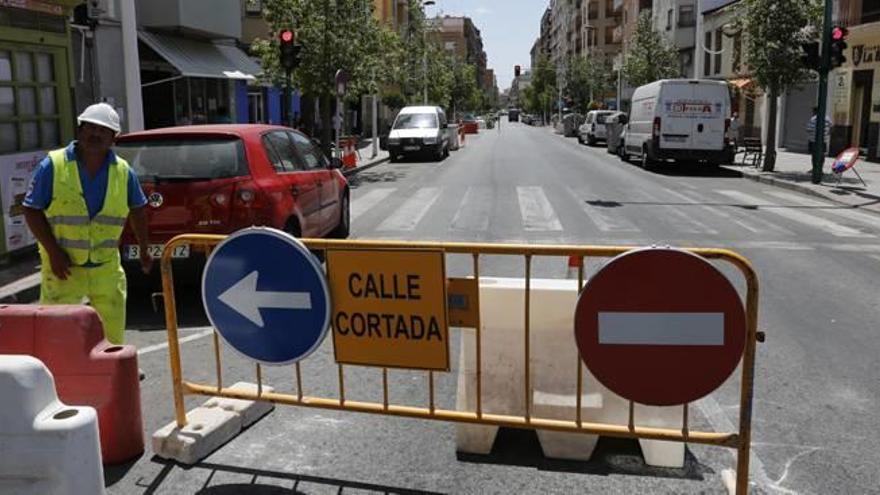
<point>509,27</point>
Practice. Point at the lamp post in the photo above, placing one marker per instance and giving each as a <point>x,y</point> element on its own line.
<point>426,3</point>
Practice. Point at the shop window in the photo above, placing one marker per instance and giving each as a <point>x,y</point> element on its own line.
<point>29,114</point>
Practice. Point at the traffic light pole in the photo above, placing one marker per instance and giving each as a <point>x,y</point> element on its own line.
<point>819,137</point>
<point>285,100</point>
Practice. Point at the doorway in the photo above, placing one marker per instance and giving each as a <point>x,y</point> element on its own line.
<point>256,114</point>
<point>863,81</point>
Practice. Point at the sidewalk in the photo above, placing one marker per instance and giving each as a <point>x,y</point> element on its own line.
<point>365,159</point>
<point>793,172</point>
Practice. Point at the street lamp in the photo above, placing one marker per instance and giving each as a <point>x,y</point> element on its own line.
<point>426,3</point>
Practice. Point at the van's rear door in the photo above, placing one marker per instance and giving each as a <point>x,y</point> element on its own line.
<point>712,102</point>
<point>676,118</point>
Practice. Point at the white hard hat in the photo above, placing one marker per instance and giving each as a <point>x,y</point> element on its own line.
<point>101,114</point>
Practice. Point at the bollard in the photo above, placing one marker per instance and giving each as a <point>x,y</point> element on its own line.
<point>46,447</point>
<point>88,369</point>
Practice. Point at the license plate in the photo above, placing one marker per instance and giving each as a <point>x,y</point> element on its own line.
<point>410,148</point>
<point>155,250</point>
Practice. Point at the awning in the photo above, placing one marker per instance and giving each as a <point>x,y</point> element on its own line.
<point>740,83</point>
<point>201,59</point>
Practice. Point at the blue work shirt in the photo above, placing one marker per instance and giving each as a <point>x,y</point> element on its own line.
<point>39,193</point>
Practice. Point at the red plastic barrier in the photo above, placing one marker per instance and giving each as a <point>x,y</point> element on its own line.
<point>349,153</point>
<point>88,369</point>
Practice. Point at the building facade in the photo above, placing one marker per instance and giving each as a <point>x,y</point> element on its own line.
<point>676,21</point>
<point>36,104</point>
<point>459,36</point>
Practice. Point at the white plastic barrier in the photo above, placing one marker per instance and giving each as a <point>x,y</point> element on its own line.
<point>46,447</point>
<point>554,358</point>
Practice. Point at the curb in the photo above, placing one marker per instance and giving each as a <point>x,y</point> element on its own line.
<point>356,170</point>
<point>22,291</point>
<point>803,189</point>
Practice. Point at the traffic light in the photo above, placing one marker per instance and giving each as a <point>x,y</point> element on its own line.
<point>810,58</point>
<point>838,46</point>
<point>516,70</point>
<point>289,49</point>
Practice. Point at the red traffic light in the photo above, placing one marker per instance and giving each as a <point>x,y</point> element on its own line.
<point>838,33</point>
<point>286,36</point>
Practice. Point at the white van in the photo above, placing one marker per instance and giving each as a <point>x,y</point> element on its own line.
<point>679,119</point>
<point>419,130</point>
<point>593,128</point>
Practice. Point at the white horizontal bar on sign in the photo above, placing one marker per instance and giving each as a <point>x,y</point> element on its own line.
<point>633,328</point>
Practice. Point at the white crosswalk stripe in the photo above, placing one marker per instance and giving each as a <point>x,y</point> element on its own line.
<point>715,210</point>
<point>682,221</point>
<point>412,211</point>
<point>796,215</point>
<point>602,220</point>
<point>845,212</point>
<point>365,203</point>
<point>536,210</point>
<point>475,209</point>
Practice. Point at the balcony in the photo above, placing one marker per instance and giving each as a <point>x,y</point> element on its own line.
<point>207,19</point>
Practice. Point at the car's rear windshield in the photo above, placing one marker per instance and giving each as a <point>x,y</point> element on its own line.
<point>416,121</point>
<point>185,159</point>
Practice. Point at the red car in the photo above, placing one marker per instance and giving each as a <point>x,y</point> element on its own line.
<point>216,179</point>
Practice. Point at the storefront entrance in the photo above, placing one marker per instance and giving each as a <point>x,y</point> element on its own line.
<point>863,81</point>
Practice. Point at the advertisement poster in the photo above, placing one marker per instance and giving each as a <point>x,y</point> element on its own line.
<point>15,173</point>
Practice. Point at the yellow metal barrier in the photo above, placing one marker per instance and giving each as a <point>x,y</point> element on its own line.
<point>739,440</point>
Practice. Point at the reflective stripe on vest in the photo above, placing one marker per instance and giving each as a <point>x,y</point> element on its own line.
<point>86,240</point>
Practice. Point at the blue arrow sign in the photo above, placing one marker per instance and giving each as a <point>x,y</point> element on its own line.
<point>267,296</point>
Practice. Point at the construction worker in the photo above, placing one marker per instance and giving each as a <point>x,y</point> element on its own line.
<point>76,205</point>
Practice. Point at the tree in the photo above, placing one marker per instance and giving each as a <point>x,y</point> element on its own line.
<point>650,56</point>
<point>775,30</point>
<point>543,89</point>
<point>342,34</point>
<point>465,92</point>
<point>588,80</point>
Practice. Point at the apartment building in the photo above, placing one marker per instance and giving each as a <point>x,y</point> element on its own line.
<point>602,31</point>
<point>676,21</point>
<point>459,35</point>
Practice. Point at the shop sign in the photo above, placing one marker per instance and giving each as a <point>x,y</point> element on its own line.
<point>15,173</point>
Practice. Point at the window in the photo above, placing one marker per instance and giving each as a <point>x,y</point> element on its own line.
<point>185,158</point>
<point>307,150</point>
<point>280,151</point>
<point>29,115</point>
<point>718,35</point>
<point>737,53</point>
<point>253,7</point>
<point>686,16</point>
<point>609,34</point>
<point>707,57</point>
<point>593,10</point>
<point>669,14</point>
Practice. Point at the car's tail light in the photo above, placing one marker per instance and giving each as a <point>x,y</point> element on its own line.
<point>220,200</point>
<point>249,195</point>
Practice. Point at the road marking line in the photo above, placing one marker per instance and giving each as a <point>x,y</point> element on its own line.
<point>475,208</point>
<point>603,221</point>
<point>687,223</point>
<point>798,216</point>
<point>411,212</point>
<point>365,203</point>
<point>718,211</point>
<point>164,345</point>
<point>841,211</point>
<point>713,412</point>
<point>536,210</point>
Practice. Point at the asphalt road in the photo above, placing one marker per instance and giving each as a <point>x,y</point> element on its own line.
<point>816,387</point>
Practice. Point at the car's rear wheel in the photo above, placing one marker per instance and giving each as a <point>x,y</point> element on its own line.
<point>393,158</point>
<point>647,162</point>
<point>621,151</point>
<point>591,140</point>
<point>343,229</point>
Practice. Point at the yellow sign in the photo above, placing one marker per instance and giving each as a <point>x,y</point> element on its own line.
<point>389,308</point>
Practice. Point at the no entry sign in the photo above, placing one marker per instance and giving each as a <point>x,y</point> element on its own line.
<point>660,326</point>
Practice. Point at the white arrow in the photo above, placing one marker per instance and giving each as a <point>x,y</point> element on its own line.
<point>244,299</point>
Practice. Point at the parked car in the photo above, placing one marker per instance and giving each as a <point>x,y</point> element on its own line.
<point>681,120</point>
<point>469,124</point>
<point>216,179</point>
<point>593,129</point>
<point>418,130</point>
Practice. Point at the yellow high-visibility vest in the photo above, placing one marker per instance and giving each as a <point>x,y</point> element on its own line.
<point>83,238</point>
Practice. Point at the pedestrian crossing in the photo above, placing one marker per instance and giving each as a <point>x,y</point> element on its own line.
<point>767,219</point>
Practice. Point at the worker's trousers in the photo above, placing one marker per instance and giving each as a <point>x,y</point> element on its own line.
<point>104,286</point>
